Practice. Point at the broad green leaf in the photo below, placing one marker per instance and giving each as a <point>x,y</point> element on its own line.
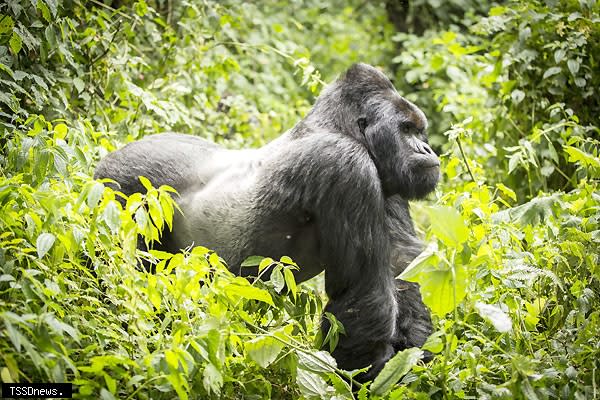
<point>265,263</point>
<point>60,131</point>
<point>551,71</point>
<point>111,384</point>
<point>45,11</point>
<point>95,194</point>
<point>79,84</point>
<point>6,24</point>
<point>5,375</point>
<point>317,361</point>
<point>241,287</point>
<point>517,96</point>
<point>263,350</point>
<point>442,286</point>
<point>434,343</point>
<point>579,156</point>
<point>252,261</point>
<point>15,42</point>
<point>112,216</point>
<point>155,212</point>
<point>573,66</point>
<point>448,225</point>
<point>507,191</point>
<point>172,359</point>
<point>146,183</point>
<point>53,5</point>
<point>59,327</point>
<point>287,260</point>
<point>290,281</point>
<point>559,55</point>
<point>44,243</point>
<point>394,370</point>
<point>277,279</point>
<point>179,384</point>
<point>311,384</point>
<point>106,395</point>
<point>212,379</point>
<point>422,261</point>
<point>495,315</point>
<point>530,213</point>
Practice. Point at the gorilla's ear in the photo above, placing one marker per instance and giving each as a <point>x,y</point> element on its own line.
<point>362,124</point>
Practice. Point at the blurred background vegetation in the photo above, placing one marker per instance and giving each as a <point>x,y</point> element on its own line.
<point>511,92</point>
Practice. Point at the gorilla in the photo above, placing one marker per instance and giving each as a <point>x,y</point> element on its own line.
<point>332,193</point>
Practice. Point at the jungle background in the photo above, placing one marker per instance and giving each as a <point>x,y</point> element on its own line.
<point>512,267</point>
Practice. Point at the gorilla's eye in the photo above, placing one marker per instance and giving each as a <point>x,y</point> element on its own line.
<point>405,128</point>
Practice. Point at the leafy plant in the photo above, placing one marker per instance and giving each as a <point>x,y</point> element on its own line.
<point>511,271</point>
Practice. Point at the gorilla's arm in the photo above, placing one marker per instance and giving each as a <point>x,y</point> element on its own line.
<point>405,244</point>
<point>349,211</point>
<point>413,325</point>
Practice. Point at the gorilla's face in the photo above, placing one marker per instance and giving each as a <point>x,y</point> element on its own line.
<point>395,134</point>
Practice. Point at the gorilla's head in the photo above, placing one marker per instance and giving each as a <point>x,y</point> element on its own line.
<point>364,104</point>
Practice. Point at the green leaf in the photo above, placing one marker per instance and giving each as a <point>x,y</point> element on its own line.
<point>311,384</point>
<point>60,131</point>
<point>44,243</point>
<point>394,370</point>
<point>252,261</point>
<point>573,66</point>
<point>434,343</point>
<point>6,24</point>
<point>263,350</point>
<point>448,225</point>
<point>212,379</point>
<point>495,315</point>
<point>507,191</point>
<point>241,287</point>
<point>15,42</point>
<point>79,84</point>
<point>578,156</point>
<point>45,11</point>
<point>277,279</point>
<point>551,71</point>
<point>95,194</point>
<point>146,183</point>
<point>265,263</point>
<point>530,213</point>
<point>111,215</point>
<point>290,281</point>
<point>53,5</point>
<point>141,8</point>
<point>317,361</point>
<point>442,286</point>
<point>172,359</point>
<point>517,96</point>
<point>559,55</point>
<point>5,375</point>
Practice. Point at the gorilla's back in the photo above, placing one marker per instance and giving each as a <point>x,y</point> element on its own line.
<point>165,159</point>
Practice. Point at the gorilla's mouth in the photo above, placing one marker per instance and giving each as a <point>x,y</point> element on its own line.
<point>430,164</point>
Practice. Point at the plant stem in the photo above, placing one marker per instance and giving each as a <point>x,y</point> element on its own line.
<point>462,153</point>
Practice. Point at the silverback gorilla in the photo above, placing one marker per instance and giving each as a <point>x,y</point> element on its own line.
<point>332,193</point>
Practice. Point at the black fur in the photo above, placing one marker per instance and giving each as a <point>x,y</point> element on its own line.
<point>332,193</point>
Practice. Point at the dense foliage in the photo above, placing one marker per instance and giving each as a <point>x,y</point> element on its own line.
<point>512,269</point>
